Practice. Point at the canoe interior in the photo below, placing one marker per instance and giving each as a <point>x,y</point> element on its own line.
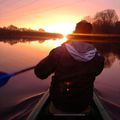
<point>45,115</point>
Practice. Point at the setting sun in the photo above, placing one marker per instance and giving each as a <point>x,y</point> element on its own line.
<point>64,28</point>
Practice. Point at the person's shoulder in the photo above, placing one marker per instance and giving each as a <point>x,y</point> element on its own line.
<point>57,50</point>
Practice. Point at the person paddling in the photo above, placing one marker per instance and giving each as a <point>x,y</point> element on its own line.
<point>75,66</point>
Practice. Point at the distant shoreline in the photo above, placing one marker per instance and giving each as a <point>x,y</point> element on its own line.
<point>31,35</point>
<point>9,34</point>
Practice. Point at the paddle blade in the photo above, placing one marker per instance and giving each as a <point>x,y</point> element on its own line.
<point>4,77</point>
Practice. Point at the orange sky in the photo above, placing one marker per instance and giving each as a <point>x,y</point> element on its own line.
<point>51,15</point>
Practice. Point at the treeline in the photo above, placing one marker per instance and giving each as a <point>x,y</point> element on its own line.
<point>15,28</point>
<point>104,22</point>
<point>15,32</point>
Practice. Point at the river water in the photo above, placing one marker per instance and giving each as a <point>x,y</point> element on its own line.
<point>24,90</point>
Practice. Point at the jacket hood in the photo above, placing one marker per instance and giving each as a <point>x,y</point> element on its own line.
<point>81,51</point>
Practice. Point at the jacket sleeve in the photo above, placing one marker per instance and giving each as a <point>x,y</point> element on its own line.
<point>47,66</point>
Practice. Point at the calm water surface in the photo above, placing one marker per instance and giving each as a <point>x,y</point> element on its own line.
<point>14,57</point>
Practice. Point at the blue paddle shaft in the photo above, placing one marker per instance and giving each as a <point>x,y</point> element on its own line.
<point>4,77</point>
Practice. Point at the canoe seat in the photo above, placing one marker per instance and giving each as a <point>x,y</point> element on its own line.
<point>71,114</point>
<point>56,112</point>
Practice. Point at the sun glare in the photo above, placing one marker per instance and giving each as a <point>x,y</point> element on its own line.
<point>63,28</point>
<point>60,41</point>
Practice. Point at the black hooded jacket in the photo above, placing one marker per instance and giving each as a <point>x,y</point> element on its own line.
<point>72,84</point>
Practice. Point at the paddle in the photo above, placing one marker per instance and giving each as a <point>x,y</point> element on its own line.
<point>4,77</point>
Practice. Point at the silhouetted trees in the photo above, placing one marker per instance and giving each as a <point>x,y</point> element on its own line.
<point>104,21</point>
<point>117,27</point>
<point>12,27</point>
<point>15,28</point>
<point>14,32</point>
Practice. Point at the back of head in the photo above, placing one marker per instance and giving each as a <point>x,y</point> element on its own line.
<point>81,51</point>
<point>83,27</point>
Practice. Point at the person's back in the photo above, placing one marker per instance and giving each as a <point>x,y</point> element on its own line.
<point>75,66</point>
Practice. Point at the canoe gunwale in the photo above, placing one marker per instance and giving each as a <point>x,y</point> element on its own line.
<point>101,108</point>
<point>39,106</point>
<point>45,98</point>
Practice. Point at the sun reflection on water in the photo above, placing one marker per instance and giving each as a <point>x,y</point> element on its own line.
<point>59,42</point>
<point>48,44</point>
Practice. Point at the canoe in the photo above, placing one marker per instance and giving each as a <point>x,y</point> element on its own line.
<point>40,112</point>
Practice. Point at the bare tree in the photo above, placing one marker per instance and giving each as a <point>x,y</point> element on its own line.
<point>117,27</point>
<point>105,20</point>
<point>12,27</point>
